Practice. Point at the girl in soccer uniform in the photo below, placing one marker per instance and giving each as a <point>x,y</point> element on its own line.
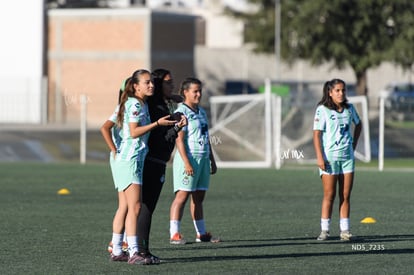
<point>334,147</point>
<point>193,163</point>
<point>128,144</point>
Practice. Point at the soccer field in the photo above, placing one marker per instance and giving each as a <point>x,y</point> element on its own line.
<point>268,221</point>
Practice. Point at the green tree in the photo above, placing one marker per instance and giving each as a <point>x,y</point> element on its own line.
<point>358,33</point>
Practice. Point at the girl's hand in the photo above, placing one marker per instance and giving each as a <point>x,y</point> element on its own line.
<point>213,168</point>
<point>164,121</point>
<point>183,122</point>
<point>322,164</point>
<point>188,170</point>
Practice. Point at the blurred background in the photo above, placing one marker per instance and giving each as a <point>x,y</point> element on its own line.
<point>63,61</point>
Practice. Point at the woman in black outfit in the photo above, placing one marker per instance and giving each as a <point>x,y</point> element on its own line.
<point>161,143</point>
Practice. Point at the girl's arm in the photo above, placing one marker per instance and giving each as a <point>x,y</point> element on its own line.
<point>317,143</point>
<point>106,133</point>
<point>188,168</point>
<point>136,130</point>
<point>212,161</point>
<point>357,133</point>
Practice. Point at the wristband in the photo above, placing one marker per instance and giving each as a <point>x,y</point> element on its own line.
<point>158,123</point>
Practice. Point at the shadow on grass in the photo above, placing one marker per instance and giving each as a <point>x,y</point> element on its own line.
<point>280,256</point>
<point>241,244</point>
<point>294,241</point>
<point>385,238</point>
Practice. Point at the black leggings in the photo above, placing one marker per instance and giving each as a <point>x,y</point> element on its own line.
<point>153,180</point>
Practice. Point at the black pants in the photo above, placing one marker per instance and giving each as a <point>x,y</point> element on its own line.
<point>153,180</point>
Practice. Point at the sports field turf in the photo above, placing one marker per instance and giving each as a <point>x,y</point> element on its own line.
<point>268,221</point>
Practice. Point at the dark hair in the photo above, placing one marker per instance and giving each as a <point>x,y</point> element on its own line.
<point>185,85</point>
<point>158,76</point>
<point>128,92</point>
<point>327,100</point>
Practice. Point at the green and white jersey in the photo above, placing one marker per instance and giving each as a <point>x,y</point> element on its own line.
<point>196,138</point>
<point>336,131</point>
<point>129,148</point>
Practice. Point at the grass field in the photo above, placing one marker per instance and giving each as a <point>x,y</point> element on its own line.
<point>268,221</point>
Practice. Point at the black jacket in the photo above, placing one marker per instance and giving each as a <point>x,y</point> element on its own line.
<point>161,140</point>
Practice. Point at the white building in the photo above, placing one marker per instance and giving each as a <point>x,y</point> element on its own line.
<point>221,31</point>
<point>22,62</point>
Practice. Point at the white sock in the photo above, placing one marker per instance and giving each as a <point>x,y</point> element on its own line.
<point>117,244</point>
<point>199,227</point>
<point>325,224</point>
<point>344,224</point>
<point>124,239</point>
<point>174,227</point>
<point>132,244</point>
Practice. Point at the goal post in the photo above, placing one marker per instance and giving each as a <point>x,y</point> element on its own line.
<point>363,150</point>
<point>241,130</point>
<point>381,127</point>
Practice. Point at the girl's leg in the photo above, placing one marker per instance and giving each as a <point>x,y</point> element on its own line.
<point>345,188</point>
<point>176,211</point>
<point>196,209</point>
<point>329,190</point>
<point>196,206</point>
<point>346,182</point>
<point>133,198</point>
<point>118,224</point>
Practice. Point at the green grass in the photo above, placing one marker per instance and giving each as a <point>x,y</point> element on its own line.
<point>268,221</point>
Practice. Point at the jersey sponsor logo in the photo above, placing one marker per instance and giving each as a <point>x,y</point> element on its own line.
<point>343,130</point>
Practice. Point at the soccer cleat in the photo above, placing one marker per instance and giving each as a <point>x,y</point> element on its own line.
<point>120,258</point>
<point>207,238</point>
<point>345,236</point>
<point>154,259</point>
<point>323,236</point>
<point>139,259</point>
<point>177,239</point>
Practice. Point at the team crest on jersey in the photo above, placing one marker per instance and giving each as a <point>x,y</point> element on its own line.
<point>186,180</point>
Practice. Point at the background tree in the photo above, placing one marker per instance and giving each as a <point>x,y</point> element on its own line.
<point>358,33</point>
